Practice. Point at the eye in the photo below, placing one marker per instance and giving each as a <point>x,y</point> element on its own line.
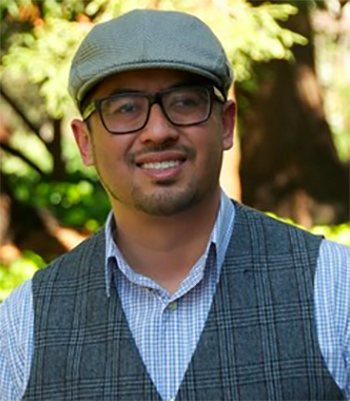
<point>122,106</point>
<point>185,101</point>
<point>126,108</point>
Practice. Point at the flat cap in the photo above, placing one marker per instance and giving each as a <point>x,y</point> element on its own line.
<point>142,39</point>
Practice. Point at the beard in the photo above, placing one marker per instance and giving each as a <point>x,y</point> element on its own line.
<point>165,197</point>
<point>167,201</point>
<point>163,201</point>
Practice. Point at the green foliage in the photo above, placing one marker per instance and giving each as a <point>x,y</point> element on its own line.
<point>39,40</point>
<point>78,202</point>
<point>253,33</point>
<point>338,233</point>
<point>69,10</point>
<point>83,204</point>
<point>44,57</point>
<point>18,272</point>
<point>43,54</point>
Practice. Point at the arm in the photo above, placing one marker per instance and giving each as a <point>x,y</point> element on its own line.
<point>332,310</point>
<point>16,342</point>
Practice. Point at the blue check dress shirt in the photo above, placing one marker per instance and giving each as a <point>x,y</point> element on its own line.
<point>166,327</point>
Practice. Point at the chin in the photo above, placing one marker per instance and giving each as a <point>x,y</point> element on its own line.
<point>165,203</point>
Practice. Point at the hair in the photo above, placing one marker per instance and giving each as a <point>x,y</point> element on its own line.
<point>87,99</point>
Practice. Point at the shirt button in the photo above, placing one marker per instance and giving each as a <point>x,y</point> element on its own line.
<point>172,307</point>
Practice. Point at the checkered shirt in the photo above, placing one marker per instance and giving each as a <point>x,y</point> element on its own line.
<point>180,317</point>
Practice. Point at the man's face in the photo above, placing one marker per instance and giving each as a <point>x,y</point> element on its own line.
<point>162,169</point>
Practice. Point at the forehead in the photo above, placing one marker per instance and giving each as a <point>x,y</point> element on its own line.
<point>150,80</point>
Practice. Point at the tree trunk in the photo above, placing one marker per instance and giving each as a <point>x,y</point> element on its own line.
<point>55,147</point>
<point>289,163</point>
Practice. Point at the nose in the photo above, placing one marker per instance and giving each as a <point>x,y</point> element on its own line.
<point>158,128</point>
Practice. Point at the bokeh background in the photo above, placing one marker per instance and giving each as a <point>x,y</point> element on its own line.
<point>291,156</point>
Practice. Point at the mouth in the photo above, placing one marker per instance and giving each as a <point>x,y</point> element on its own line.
<point>162,166</point>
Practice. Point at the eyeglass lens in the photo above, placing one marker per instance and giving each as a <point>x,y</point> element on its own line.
<point>130,112</point>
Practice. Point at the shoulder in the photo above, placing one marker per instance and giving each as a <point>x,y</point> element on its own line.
<point>16,341</point>
<point>273,233</point>
<point>15,306</point>
<point>332,309</point>
<point>254,215</point>
<point>333,273</point>
<point>334,253</point>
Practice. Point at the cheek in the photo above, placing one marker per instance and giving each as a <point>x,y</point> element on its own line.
<point>108,148</point>
<point>209,147</point>
<point>110,154</point>
<point>107,157</point>
<point>214,138</point>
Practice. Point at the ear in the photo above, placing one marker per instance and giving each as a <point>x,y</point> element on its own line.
<point>83,138</point>
<point>228,121</point>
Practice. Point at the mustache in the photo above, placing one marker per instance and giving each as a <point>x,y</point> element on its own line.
<point>189,153</point>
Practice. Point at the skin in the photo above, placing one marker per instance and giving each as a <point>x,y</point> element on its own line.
<point>165,217</point>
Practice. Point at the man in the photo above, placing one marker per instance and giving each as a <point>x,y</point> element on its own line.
<point>184,294</point>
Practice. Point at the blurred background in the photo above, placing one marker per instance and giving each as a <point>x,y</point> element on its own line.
<point>292,139</point>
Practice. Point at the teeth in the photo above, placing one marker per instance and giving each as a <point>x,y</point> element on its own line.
<point>161,165</point>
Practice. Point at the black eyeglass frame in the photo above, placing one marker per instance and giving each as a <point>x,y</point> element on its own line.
<point>154,98</point>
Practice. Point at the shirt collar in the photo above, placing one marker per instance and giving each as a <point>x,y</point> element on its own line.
<point>220,238</point>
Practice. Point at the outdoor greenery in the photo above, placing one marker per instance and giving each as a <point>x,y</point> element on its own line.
<point>40,161</point>
<point>40,38</point>
<point>18,272</point>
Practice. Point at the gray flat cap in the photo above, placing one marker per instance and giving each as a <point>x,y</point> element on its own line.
<point>144,39</point>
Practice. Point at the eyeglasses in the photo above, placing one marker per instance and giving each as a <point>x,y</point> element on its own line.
<point>127,112</point>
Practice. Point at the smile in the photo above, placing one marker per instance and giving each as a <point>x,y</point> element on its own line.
<point>164,165</point>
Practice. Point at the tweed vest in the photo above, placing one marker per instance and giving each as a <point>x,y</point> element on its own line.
<point>259,341</point>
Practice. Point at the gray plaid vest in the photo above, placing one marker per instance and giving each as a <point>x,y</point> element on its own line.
<point>259,341</point>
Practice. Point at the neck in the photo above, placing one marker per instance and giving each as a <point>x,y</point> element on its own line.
<point>166,248</point>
